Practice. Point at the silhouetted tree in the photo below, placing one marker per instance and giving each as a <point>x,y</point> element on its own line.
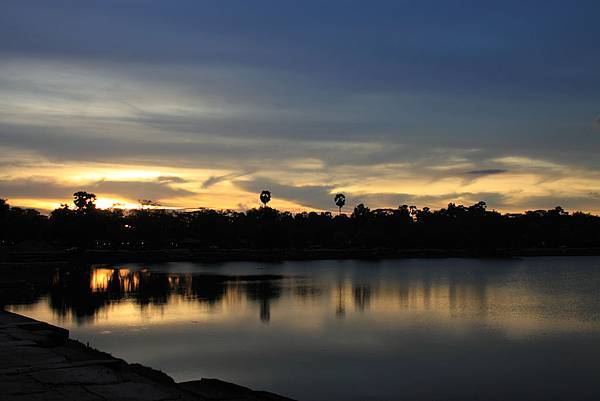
<point>471,227</point>
<point>19,224</point>
<point>265,197</point>
<point>4,207</point>
<point>84,201</point>
<point>340,201</point>
<point>361,211</point>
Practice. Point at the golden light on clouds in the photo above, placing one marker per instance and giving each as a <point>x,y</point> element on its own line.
<point>122,185</point>
<point>126,136</point>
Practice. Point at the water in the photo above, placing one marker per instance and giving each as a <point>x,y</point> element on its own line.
<point>447,329</point>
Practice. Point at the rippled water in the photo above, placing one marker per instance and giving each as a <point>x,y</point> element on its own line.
<point>444,329</point>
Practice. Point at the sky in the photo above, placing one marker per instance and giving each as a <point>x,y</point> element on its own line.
<point>205,104</point>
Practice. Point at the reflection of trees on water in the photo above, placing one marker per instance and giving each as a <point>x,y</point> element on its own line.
<point>264,292</point>
<point>207,288</point>
<point>468,298</point>
<point>362,295</point>
<point>340,308</point>
<point>82,293</point>
<point>306,291</point>
<point>150,290</point>
<point>70,293</point>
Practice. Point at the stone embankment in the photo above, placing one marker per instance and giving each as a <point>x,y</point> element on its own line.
<point>39,361</point>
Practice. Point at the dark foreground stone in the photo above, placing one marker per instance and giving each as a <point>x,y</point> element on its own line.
<point>38,361</point>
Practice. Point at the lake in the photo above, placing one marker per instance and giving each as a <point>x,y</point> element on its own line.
<point>414,329</point>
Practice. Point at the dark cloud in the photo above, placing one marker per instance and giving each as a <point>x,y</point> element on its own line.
<point>45,188</point>
<point>249,154</point>
<point>321,197</point>
<point>35,188</point>
<point>212,180</point>
<point>272,126</point>
<point>314,196</point>
<point>489,171</point>
<point>390,47</point>
<point>568,202</point>
<point>155,190</point>
<point>171,179</point>
<point>494,200</point>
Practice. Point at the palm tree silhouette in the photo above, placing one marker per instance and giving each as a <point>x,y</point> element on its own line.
<point>265,197</point>
<point>340,201</point>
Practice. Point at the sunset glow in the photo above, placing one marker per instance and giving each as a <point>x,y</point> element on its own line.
<point>196,127</point>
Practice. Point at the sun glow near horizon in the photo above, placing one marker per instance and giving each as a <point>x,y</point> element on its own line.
<point>123,186</point>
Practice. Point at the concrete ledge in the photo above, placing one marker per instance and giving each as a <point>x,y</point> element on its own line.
<point>38,361</point>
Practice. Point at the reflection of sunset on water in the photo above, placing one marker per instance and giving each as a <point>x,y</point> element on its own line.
<point>101,279</point>
<point>126,295</point>
<point>444,319</point>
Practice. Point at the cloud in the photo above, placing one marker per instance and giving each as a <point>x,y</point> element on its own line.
<point>214,179</point>
<point>321,197</point>
<point>583,202</point>
<point>35,188</point>
<point>528,162</point>
<point>494,200</point>
<point>274,34</point>
<point>171,179</point>
<point>47,188</point>
<point>313,196</point>
<point>137,146</point>
<point>489,171</point>
<point>155,190</point>
<point>226,93</point>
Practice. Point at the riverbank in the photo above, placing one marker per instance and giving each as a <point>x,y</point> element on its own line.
<point>39,361</point>
<point>61,257</point>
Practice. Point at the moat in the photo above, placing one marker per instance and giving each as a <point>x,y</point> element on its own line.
<point>415,329</point>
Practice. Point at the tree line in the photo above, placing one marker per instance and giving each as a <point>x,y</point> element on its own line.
<point>85,226</point>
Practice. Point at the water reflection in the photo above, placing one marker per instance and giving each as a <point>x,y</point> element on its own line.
<point>427,329</point>
<point>471,292</point>
<point>83,293</point>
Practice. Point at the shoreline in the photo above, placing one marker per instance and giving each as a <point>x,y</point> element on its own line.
<point>40,361</point>
<point>61,258</point>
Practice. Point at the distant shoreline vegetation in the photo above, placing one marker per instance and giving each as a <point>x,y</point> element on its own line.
<point>407,227</point>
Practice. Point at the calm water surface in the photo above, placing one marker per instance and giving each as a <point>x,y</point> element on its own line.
<point>449,329</point>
